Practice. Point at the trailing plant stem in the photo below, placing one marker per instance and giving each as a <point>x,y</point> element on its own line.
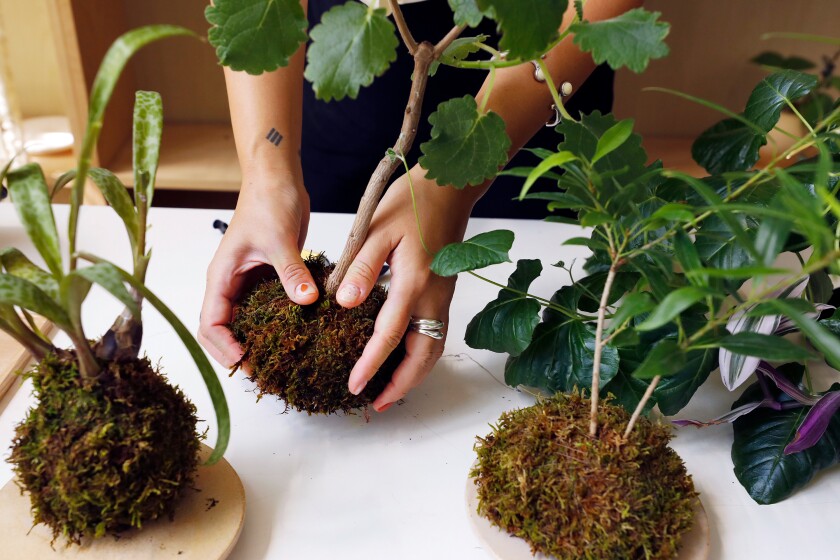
<point>402,26</point>
<point>558,101</point>
<point>544,302</point>
<point>599,348</point>
<point>641,406</point>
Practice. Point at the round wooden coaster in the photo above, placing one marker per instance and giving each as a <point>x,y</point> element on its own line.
<point>502,546</point>
<point>206,526</point>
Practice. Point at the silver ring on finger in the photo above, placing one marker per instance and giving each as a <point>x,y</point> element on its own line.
<point>429,327</point>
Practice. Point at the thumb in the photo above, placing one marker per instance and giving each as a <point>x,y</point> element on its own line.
<point>296,279</point>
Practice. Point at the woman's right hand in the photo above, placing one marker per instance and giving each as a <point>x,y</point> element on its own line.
<point>268,228</point>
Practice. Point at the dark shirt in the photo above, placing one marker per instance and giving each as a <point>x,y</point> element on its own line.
<point>343,141</point>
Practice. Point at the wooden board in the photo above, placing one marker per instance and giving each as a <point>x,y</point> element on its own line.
<point>207,525</point>
<point>13,357</point>
<point>502,546</point>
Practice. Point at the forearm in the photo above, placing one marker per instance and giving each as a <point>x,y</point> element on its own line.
<point>266,114</point>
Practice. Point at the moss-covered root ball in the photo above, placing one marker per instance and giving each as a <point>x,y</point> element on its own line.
<point>103,457</point>
<point>541,477</point>
<point>304,354</point>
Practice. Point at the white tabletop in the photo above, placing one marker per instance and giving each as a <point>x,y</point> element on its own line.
<point>339,487</point>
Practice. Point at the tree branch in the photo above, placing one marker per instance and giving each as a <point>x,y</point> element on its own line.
<point>447,40</point>
<point>599,349</point>
<point>641,406</point>
<point>402,26</point>
<point>423,59</point>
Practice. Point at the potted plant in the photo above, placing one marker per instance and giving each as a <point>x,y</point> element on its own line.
<point>109,445</point>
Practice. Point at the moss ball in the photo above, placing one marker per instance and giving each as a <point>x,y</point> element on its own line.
<point>304,354</point>
<point>541,477</point>
<point>105,456</point>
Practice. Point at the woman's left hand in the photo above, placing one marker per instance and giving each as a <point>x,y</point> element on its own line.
<point>415,290</point>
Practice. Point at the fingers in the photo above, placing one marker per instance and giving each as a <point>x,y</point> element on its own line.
<point>362,274</point>
<point>216,313</point>
<point>422,352</point>
<point>296,279</point>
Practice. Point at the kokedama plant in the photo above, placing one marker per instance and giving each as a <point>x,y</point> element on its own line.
<point>110,445</point>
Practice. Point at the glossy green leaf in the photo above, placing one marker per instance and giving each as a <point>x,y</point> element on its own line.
<point>822,339</point>
<point>631,39</point>
<point>17,264</point>
<point>773,93</point>
<point>765,346</point>
<point>256,35</point>
<point>665,359</point>
<point>148,129</point>
<point>466,12</point>
<point>31,198</point>
<point>820,287</point>
<point>552,161</point>
<point>633,305</point>
<point>350,47</point>
<point>484,249</point>
<point>458,50</point>
<point>689,258</point>
<point>560,355</point>
<point>614,137</point>
<point>109,278</point>
<point>729,145</point>
<point>669,308</point>
<point>507,323</point>
<point>22,293</point>
<point>776,60</point>
<point>772,235</point>
<point>211,381</point>
<point>466,148</point>
<point>528,26</point>
<point>758,450</point>
<point>674,212</point>
<point>116,195</point>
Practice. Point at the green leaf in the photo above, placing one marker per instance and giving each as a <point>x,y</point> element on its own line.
<point>820,287</point>
<point>31,198</point>
<point>73,290</point>
<point>594,218</point>
<point>631,39</point>
<point>552,161</point>
<point>506,324</point>
<point>477,252</point>
<point>669,308</point>
<point>528,26</point>
<point>772,235</point>
<point>689,258</point>
<point>148,128</point>
<point>729,145</point>
<point>634,304</point>
<point>614,137</point>
<point>776,60</point>
<point>765,346</point>
<point>822,339</point>
<point>107,276</point>
<point>773,93</point>
<point>666,359</point>
<point>116,195</point>
<point>25,294</point>
<point>256,35</point>
<point>458,50</point>
<point>674,212</point>
<point>758,450</point>
<point>466,147</point>
<point>18,265</point>
<point>466,12</point>
<point>350,47</point>
<point>560,356</point>
<point>217,394</point>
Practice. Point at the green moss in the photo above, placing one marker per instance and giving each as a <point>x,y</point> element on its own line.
<point>103,457</point>
<point>304,354</point>
<point>541,477</point>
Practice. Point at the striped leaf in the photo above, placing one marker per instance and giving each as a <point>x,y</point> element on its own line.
<point>22,293</point>
<point>148,128</point>
<point>32,202</point>
<point>17,264</point>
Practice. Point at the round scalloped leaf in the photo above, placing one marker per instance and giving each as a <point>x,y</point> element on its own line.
<point>466,12</point>
<point>631,39</point>
<point>351,46</point>
<point>528,26</point>
<point>256,35</point>
<point>466,147</point>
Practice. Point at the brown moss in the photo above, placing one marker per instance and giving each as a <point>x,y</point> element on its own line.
<point>304,354</point>
<point>542,478</point>
<point>103,457</point>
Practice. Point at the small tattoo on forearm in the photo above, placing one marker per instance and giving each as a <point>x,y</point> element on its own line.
<point>274,137</point>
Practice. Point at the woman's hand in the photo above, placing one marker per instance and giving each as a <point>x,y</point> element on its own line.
<point>415,290</point>
<point>268,228</point>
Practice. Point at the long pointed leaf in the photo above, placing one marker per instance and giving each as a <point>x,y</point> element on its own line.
<point>109,278</point>
<point>148,128</point>
<point>116,195</point>
<point>614,137</point>
<point>818,335</point>
<point>217,394</point>
<point>22,293</point>
<point>18,265</point>
<point>550,162</point>
<point>669,308</point>
<point>815,424</point>
<point>32,202</point>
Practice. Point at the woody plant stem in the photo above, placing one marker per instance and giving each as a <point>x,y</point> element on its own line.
<point>424,54</point>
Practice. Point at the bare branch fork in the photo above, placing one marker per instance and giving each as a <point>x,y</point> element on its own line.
<point>424,54</point>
